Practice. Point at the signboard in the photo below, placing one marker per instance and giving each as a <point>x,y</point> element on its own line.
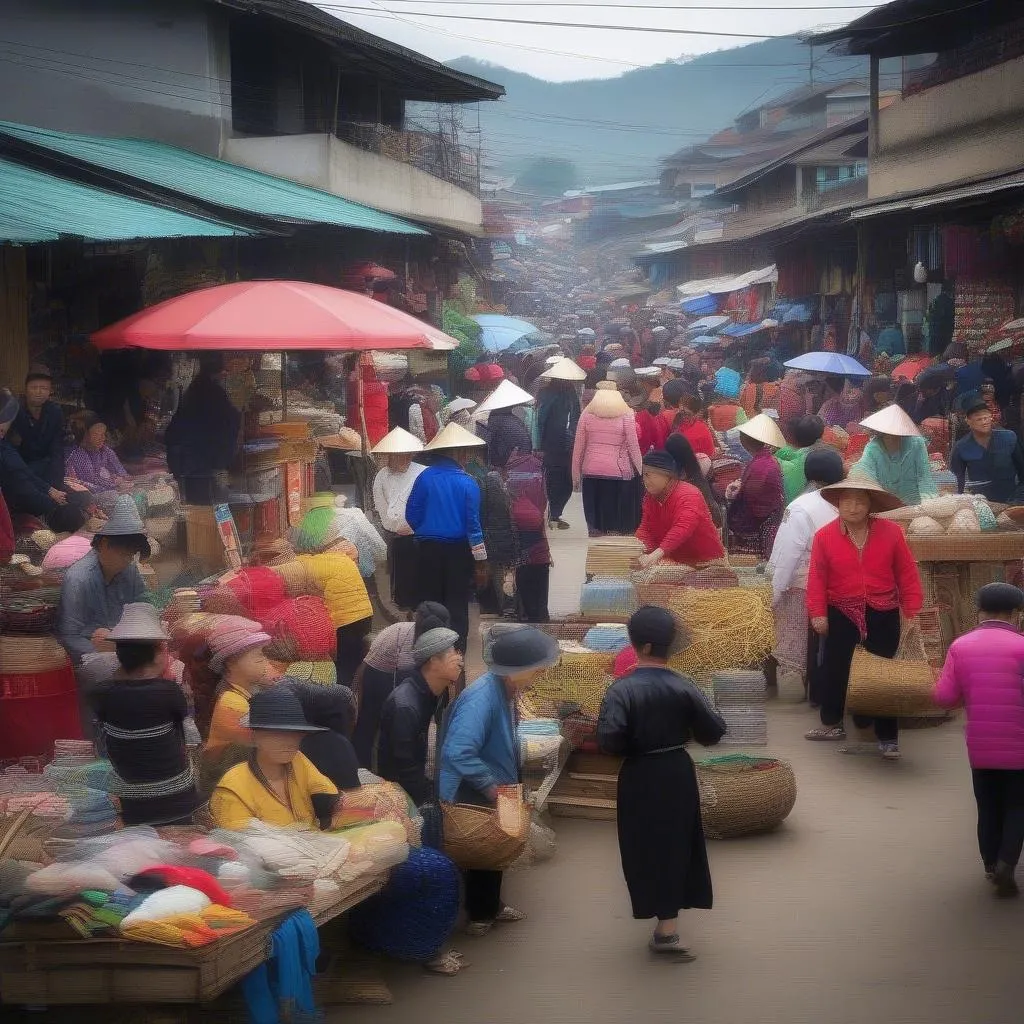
<point>228,531</point>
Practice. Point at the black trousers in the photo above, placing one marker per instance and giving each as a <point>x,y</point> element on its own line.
<point>883,639</point>
<point>1000,798</point>
<point>558,484</point>
<point>374,691</point>
<point>532,586</point>
<point>483,895</point>
<point>351,648</point>
<point>445,575</point>
<point>402,556</point>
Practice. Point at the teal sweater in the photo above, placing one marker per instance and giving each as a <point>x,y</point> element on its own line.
<point>906,474</point>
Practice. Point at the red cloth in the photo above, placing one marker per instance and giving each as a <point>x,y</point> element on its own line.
<point>884,575</point>
<point>649,432</point>
<point>36,709</point>
<point>681,526</point>
<point>723,415</point>
<point>625,661</point>
<point>375,405</point>
<point>694,429</point>
<point>194,878</point>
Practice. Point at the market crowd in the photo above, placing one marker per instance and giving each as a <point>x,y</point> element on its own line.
<point>322,683</point>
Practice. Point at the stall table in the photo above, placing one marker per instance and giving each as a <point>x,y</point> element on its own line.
<point>61,972</point>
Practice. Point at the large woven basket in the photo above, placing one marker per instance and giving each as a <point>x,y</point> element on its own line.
<point>892,687</point>
<point>475,839</point>
<point>22,655</point>
<point>742,795</point>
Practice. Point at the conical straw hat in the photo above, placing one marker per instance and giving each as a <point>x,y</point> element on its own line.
<point>881,499</point>
<point>458,404</point>
<point>505,396</point>
<point>454,436</point>
<point>564,369</point>
<point>397,442</point>
<point>891,420</point>
<point>607,403</point>
<point>764,429</point>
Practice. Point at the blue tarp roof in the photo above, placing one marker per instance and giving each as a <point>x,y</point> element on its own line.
<point>742,330</point>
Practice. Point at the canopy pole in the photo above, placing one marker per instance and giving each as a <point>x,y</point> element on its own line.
<point>284,386</point>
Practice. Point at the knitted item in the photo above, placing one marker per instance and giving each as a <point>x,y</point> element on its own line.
<point>301,629</point>
<point>258,588</point>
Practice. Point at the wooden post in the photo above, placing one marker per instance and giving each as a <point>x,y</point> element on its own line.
<point>873,112</point>
<point>13,317</point>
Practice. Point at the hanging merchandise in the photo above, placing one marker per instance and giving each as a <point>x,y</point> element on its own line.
<point>980,308</point>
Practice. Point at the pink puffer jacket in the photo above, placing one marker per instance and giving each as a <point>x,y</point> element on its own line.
<point>984,671</point>
<point>606,446</point>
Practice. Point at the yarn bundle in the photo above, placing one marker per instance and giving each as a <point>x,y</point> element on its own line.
<point>302,630</point>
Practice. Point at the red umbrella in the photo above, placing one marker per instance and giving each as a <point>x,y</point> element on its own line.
<point>271,316</point>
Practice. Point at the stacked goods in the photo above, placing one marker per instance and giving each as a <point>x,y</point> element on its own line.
<point>981,308</point>
<point>608,596</point>
<point>742,795</point>
<point>613,557</point>
<point>741,698</point>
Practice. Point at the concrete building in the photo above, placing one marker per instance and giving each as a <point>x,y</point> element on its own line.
<point>276,85</point>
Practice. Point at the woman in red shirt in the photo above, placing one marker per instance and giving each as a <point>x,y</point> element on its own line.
<point>682,414</point>
<point>862,575</point>
<point>676,524</point>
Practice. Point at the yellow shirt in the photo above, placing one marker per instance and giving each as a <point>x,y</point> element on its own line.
<point>240,796</point>
<point>343,588</point>
<point>225,729</point>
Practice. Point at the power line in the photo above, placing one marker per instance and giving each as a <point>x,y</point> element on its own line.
<point>632,7</point>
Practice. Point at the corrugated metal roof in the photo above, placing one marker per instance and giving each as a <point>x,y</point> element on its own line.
<point>213,181</point>
<point>950,195</point>
<point>40,207</point>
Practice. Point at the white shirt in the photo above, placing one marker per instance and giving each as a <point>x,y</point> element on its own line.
<point>391,491</point>
<point>791,555</point>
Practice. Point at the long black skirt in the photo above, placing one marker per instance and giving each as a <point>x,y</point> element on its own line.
<point>661,836</point>
<point>611,505</point>
<point>402,553</point>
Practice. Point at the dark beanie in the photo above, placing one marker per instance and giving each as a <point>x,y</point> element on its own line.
<point>430,615</point>
<point>662,462</point>
<point>824,466</point>
<point>1000,598</point>
<point>651,625</point>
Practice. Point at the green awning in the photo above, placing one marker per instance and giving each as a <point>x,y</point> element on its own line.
<point>214,181</point>
<point>40,207</point>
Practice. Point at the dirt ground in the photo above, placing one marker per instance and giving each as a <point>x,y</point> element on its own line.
<point>868,905</point>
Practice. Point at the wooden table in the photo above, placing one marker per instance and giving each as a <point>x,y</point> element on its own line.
<point>62,972</point>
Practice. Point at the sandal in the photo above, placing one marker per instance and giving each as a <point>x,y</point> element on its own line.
<point>509,915</point>
<point>478,929</point>
<point>668,946</point>
<point>448,964</point>
<point>826,733</point>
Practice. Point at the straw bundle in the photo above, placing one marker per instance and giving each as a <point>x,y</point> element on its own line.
<point>613,557</point>
<point>727,629</point>
<point>675,574</point>
<point>741,795</point>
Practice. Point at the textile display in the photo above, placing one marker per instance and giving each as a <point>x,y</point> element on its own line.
<point>980,307</point>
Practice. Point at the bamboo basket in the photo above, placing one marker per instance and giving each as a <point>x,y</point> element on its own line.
<point>742,795</point>
<point>485,838</point>
<point>899,687</point>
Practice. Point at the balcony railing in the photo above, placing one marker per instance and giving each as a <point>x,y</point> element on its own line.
<point>435,153</point>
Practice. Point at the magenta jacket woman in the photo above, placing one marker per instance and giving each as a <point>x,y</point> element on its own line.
<point>607,464</point>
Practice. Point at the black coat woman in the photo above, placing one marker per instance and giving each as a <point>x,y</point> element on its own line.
<point>648,717</point>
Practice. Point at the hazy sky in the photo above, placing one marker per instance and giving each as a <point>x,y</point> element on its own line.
<point>561,54</point>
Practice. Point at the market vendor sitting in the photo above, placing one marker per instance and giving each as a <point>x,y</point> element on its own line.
<point>38,429</point>
<point>237,654</point>
<point>93,463</point>
<point>896,457</point>
<point>676,524</point>
<point>987,461</point>
<point>141,716</point>
<point>97,587</point>
<point>756,499</point>
<point>27,493</point>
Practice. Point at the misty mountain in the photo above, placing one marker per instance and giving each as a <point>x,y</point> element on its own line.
<point>617,129</point>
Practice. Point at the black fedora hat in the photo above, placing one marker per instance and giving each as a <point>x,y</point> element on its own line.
<point>512,650</point>
<point>277,708</point>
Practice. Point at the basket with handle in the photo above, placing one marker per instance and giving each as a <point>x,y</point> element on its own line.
<point>895,687</point>
<point>487,838</point>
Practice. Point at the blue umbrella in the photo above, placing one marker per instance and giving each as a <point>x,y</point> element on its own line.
<point>500,331</point>
<point>828,362</point>
<point>709,323</point>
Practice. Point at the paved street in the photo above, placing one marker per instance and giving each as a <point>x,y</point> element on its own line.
<point>868,906</point>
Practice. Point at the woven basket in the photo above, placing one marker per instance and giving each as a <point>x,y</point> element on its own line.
<point>486,839</point>
<point>577,683</point>
<point>892,687</point>
<point>25,616</point>
<point>742,795</point>
<point>20,655</point>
